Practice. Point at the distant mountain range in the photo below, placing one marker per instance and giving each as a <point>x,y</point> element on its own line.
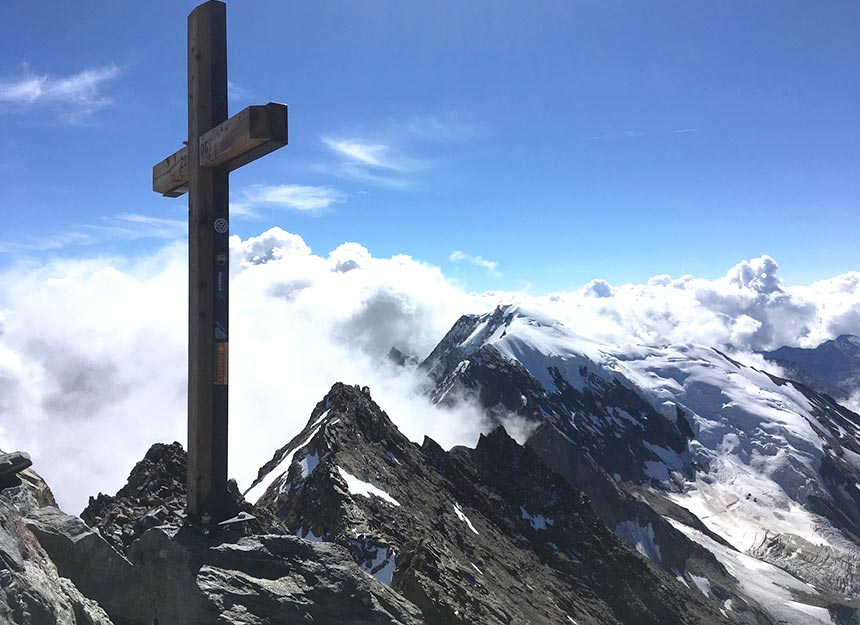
<point>633,485</point>
<point>833,367</point>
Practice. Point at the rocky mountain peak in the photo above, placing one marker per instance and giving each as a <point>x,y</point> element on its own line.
<point>354,407</point>
<point>161,473</point>
<point>346,419</point>
<point>154,493</point>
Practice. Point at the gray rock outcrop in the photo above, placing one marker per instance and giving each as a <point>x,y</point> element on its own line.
<point>32,591</point>
<point>256,580</point>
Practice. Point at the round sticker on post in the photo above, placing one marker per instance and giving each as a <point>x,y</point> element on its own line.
<point>221,225</point>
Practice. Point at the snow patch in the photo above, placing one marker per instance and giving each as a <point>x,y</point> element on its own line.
<point>641,537</point>
<point>459,512</point>
<point>365,489</point>
<point>382,565</point>
<point>538,521</point>
<point>822,614</point>
<point>309,463</point>
<point>258,490</point>
<point>702,583</point>
<point>321,418</point>
<point>308,535</point>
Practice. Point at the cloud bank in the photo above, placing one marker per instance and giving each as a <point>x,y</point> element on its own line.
<point>93,354</point>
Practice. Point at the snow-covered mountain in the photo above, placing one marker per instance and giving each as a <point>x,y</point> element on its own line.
<point>768,467</point>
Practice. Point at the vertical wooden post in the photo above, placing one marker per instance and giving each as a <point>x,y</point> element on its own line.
<point>216,145</point>
<point>208,267</point>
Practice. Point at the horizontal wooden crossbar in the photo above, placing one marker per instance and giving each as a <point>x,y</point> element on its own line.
<point>245,137</point>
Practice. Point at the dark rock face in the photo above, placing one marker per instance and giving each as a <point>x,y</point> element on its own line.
<point>32,592</point>
<point>13,463</point>
<point>488,535</point>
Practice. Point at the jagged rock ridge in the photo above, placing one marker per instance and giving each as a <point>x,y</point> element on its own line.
<point>485,535</point>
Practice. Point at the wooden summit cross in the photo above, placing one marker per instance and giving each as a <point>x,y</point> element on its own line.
<point>215,147</point>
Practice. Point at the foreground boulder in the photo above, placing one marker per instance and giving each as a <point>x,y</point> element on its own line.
<point>257,580</point>
<point>32,592</point>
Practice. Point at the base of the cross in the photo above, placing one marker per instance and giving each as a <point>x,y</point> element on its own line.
<point>216,509</point>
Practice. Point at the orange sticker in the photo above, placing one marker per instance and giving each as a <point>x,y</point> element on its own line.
<point>221,363</point>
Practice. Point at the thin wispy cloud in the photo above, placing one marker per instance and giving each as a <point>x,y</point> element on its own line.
<point>76,97</point>
<point>46,243</point>
<point>368,154</point>
<point>122,227</point>
<point>304,198</point>
<point>443,128</point>
<point>623,135</point>
<point>132,226</point>
<point>628,135</point>
<point>397,152</point>
<point>491,266</point>
<point>375,162</point>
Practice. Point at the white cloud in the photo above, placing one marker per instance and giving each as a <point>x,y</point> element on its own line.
<point>93,351</point>
<point>490,265</point>
<point>748,309</point>
<point>76,97</point>
<point>298,197</point>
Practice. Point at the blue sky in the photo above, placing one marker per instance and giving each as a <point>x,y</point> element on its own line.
<point>547,142</point>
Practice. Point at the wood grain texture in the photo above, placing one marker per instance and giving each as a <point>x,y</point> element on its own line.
<point>245,137</point>
<point>207,107</point>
